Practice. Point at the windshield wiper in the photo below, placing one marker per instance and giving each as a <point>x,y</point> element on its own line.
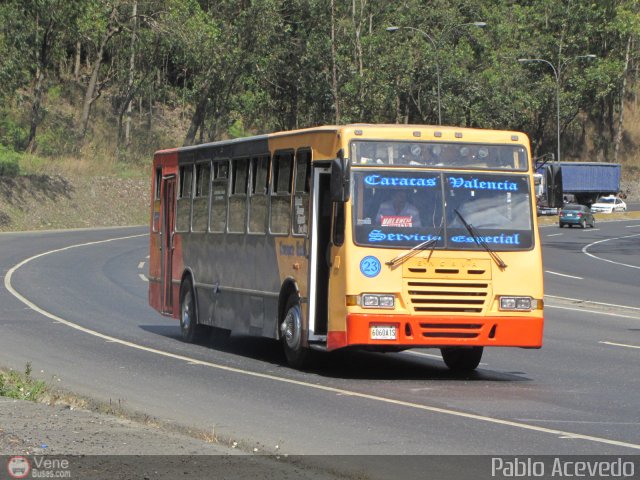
<point>478,239</point>
<point>402,257</point>
<point>433,246</point>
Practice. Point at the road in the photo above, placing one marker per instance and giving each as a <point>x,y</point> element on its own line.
<point>632,206</point>
<point>81,313</point>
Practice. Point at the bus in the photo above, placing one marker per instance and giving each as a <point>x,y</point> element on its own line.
<point>377,237</point>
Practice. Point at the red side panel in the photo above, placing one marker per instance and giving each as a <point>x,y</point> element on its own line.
<point>163,188</point>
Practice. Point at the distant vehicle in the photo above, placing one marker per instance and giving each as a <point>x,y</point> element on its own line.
<point>585,181</point>
<point>609,204</point>
<point>542,210</point>
<point>573,214</point>
<point>588,181</point>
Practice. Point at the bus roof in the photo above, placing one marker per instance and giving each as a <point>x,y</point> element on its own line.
<point>436,133</point>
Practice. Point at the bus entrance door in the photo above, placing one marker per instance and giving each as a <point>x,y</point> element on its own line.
<point>318,260</point>
<point>168,224</point>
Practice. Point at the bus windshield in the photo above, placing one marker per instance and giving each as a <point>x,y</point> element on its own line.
<point>404,208</point>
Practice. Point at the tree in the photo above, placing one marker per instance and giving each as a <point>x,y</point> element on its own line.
<point>39,25</point>
<point>100,28</point>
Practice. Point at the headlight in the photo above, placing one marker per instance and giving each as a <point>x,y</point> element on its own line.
<point>517,303</point>
<point>373,300</point>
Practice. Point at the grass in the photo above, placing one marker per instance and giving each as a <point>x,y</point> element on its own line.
<point>81,167</point>
<point>22,386</point>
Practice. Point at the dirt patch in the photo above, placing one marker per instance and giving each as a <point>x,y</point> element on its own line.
<point>99,446</point>
<point>19,191</point>
<point>35,202</point>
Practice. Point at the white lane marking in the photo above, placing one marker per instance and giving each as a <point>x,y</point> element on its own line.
<point>430,355</point>
<point>620,345</point>
<point>581,422</point>
<point>591,301</point>
<point>586,247</point>
<point>325,388</point>
<point>141,265</point>
<point>554,235</point>
<point>563,275</point>
<point>632,226</point>
<point>142,276</point>
<point>595,312</point>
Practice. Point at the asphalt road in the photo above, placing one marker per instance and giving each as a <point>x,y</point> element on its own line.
<point>633,206</point>
<point>86,320</point>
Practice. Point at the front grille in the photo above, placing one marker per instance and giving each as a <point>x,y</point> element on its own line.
<point>447,297</point>
<point>450,330</point>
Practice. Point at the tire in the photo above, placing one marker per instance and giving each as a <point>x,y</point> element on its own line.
<point>583,224</point>
<point>291,333</point>
<point>192,332</point>
<point>561,225</point>
<point>460,359</point>
<point>593,223</point>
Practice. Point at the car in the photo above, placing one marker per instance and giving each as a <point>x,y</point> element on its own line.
<point>609,204</point>
<point>542,211</point>
<point>574,214</point>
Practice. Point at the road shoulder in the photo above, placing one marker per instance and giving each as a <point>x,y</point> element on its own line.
<point>99,445</point>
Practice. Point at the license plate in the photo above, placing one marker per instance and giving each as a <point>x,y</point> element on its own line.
<point>569,214</point>
<point>383,333</point>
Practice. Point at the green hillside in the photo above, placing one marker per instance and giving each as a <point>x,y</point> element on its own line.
<point>89,89</point>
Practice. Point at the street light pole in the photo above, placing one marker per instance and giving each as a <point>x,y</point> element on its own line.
<point>556,75</point>
<point>436,49</point>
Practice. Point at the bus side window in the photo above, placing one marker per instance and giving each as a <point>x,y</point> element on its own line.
<point>155,224</point>
<point>238,197</point>
<point>157,184</point>
<point>219,183</point>
<point>259,191</point>
<point>301,189</point>
<point>183,210</point>
<point>200,209</point>
<point>281,192</point>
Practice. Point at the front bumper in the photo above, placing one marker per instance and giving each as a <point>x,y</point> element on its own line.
<point>445,331</point>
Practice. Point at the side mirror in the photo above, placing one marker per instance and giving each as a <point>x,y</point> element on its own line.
<point>553,185</point>
<point>340,179</point>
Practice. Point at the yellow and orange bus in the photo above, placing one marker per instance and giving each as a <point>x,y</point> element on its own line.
<point>385,237</point>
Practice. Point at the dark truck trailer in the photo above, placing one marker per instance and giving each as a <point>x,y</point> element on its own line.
<point>588,181</point>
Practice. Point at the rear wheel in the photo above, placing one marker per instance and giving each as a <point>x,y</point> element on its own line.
<point>191,331</point>
<point>291,333</point>
<point>461,359</point>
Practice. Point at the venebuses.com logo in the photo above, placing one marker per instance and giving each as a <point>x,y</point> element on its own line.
<point>18,467</point>
<point>38,467</point>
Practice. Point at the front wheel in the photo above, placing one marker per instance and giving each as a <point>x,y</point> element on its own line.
<point>583,224</point>
<point>461,359</point>
<point>191,331</point>
<point>291,334</point>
